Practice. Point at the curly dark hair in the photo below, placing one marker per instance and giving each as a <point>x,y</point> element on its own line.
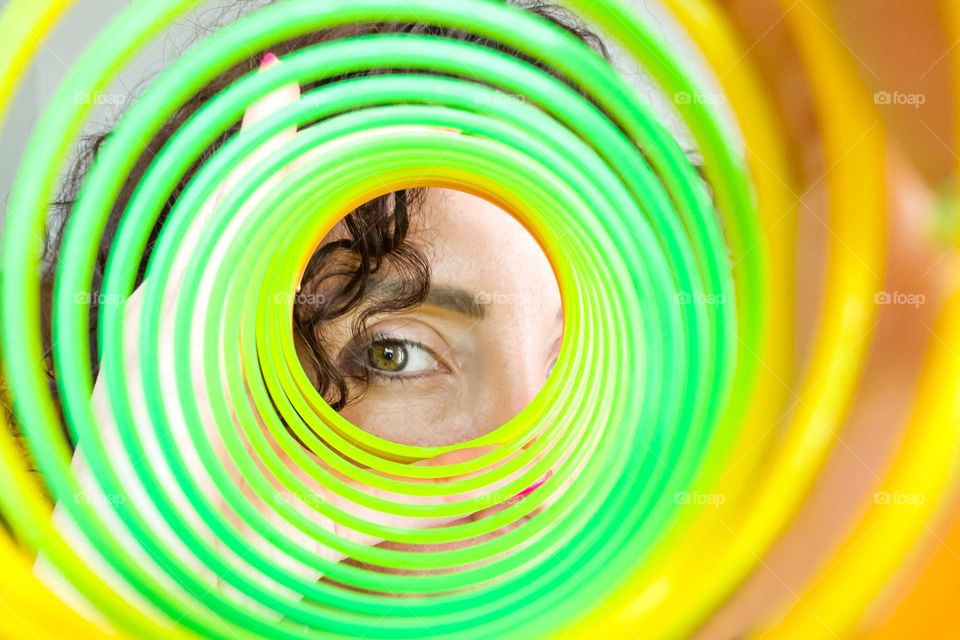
<point>376,233</point>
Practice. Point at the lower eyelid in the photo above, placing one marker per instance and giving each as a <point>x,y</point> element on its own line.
<point>399,377</point>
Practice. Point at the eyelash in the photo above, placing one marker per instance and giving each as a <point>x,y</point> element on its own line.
<point>384,338</point>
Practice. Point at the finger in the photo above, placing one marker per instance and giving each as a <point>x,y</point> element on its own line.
<point>261,110</point>
<point>255,113</point>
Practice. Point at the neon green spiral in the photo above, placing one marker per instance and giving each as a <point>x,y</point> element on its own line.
<point>647,379</point>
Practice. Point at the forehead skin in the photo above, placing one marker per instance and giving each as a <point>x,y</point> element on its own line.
<point>475,245</point>
<point>498,359</point>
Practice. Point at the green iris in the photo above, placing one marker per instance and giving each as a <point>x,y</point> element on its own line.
<point>388,356</point>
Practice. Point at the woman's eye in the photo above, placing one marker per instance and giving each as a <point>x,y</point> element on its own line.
<point>399,357</point>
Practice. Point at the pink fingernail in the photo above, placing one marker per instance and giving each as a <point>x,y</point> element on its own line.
<point>536,485</point>
<point>268,59</point>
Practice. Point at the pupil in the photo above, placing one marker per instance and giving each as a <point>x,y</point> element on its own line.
<point>388,357</point>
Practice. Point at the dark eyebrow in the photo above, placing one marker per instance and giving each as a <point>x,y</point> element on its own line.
<point>457,300</point>
<point>451,298</point>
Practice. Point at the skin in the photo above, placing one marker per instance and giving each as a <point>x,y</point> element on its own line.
<point>479,349</point>
<point>473,355</point>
